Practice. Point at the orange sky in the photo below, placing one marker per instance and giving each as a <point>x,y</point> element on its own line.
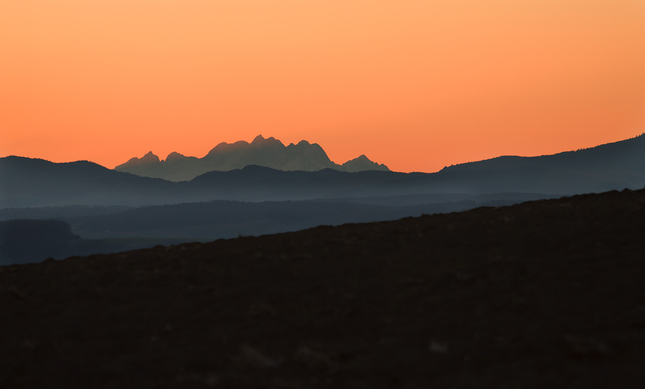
<point>414,84</point>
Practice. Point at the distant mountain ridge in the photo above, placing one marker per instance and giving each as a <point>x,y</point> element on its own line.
<point>269,152</point>
<point>26,182</point>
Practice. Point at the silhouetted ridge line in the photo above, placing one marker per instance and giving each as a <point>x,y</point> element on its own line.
<point>625,155</point>
<point>30,182</point>
<point>269,152</point>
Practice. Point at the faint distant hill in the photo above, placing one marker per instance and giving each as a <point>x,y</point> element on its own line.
<point>34,240</point>
<point>269,153</point>
<point>29,241</point>
<point>28,182</point>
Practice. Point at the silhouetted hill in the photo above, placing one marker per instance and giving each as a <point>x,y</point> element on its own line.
<point>360,164</point>
<point>623,156</point>
<point>28,182</point>
<point>261,152</point>
<point>541,294</point>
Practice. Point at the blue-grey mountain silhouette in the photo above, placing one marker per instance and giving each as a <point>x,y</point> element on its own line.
<point>289,200</point>
<point>31,182</point>
<point>269,152</point>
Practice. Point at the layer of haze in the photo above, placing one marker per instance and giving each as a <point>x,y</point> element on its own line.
<point>414,84</point>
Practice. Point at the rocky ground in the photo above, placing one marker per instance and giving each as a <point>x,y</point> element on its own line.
<point>542,294</point>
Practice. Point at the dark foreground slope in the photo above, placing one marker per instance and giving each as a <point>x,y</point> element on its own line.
<point>541,294</point>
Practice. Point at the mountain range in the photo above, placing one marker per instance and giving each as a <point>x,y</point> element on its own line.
<point>112,210</point>
<point>30,182</point>
<point>269,152</point>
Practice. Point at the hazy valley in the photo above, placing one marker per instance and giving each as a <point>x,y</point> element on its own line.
<point>111,210</point>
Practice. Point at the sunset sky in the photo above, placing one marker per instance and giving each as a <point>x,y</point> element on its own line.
<point>414,84</point>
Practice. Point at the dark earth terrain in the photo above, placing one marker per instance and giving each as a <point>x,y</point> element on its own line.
<point>542,294</point>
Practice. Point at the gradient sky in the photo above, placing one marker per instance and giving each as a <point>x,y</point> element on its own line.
<point>414,84</point>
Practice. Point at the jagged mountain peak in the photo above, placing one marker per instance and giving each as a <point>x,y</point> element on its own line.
<point>267,152</point>
<point>148,158</point>
<point>362,163</point>
<point>259,140</point>
<point>174,156</point>
<point>609,156</point>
